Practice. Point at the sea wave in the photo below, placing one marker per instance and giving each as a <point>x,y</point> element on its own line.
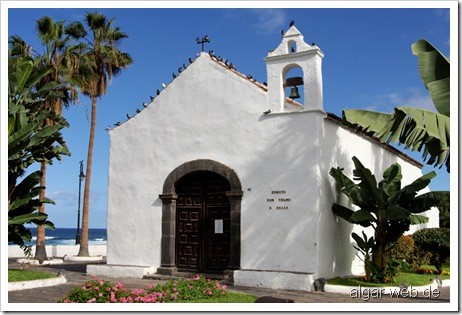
<point>34,238</point>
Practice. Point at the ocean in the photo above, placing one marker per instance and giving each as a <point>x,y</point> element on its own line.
<point>66,236</point>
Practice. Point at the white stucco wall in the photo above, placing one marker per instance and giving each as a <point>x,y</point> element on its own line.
<point>210,113</point>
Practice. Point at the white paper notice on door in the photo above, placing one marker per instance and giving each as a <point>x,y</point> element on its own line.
<point>218,226</point>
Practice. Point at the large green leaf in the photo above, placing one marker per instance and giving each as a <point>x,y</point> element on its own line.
<point>391,182</point>
<point>428,200</point>
<point>362,215</point>
<point>418,129</point>
<point>434,69</point>
<point>347,186</point>
<point>23,74</point>
<point>349,215</point>
<point>397,213</point>
<point>367,184</point>
<point>418,219</point>
<point>26,218</point>
<point>419,184</point>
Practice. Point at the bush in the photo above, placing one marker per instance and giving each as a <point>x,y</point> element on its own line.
<point>100,291</point>
<point>403,250</point>
<point>419,258</point>
<point>434,241</point>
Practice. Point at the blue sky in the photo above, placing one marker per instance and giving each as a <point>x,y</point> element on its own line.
<point>368,64</point>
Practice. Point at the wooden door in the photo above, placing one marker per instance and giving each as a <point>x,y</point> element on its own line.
<point>203,223</point>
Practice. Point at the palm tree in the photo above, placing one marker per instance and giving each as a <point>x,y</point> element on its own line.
<point>103,61</point>
<point>416,128</point>
<point>62,54</point>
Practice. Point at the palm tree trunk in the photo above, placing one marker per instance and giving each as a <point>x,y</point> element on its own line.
<point>40,249</point>
<point>83,251</point>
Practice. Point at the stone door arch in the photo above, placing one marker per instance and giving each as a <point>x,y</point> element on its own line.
<point>169,197</point>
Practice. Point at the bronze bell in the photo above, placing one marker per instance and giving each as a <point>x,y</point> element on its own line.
<point>294,92</point>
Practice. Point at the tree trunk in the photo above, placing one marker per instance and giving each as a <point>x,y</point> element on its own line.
<point>86,193</point>
<point>378,253</point>
<point>40,249</point>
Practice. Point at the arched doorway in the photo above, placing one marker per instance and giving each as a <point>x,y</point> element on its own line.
<point>201,216</point>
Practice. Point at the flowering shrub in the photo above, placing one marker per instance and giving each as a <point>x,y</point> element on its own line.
<point>190,289</point>
<point>427,271</point>
<point>100,291</point>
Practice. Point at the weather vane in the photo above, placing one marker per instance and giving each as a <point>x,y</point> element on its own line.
<point>202,41</point>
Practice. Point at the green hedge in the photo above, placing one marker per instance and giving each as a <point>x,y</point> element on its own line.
<point>434,241</point>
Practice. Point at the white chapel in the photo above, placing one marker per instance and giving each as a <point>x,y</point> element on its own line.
<point>222,174</point>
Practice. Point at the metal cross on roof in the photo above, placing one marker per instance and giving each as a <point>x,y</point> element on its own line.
<point>202,41</point>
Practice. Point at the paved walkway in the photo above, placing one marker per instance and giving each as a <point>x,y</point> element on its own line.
<point>76,275</point>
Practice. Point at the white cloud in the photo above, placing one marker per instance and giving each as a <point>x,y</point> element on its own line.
<point>412,97</point>
<point>269,20</point>
<point>262,20</point>
<point>64,198</point>
<point>443,13</point>
<point>69,199</point>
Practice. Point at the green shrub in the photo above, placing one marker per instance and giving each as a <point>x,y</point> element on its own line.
<point>435,242</point>
<point>419,258</point>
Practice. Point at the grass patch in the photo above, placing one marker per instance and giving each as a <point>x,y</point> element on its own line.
<point>193,290</point>
<point>15,275</point>
<point>230,297</point>
<point>411,278</point>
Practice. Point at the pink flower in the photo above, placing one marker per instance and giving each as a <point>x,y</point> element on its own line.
<point>91,300</point>
<point>209,292</point>
<point>100,295</point>
<point>113,299</point>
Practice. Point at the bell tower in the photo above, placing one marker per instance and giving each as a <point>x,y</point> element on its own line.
<point>293,54</point>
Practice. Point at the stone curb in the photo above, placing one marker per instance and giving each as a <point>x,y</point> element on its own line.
<point>83,258</point>
<point>332,288</point>
<point>23,285</point>
<point>35,262</point>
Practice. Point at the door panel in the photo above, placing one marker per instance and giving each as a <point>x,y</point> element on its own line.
<point>203,223</point>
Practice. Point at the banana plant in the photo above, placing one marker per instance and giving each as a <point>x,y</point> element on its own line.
<point>417,129</point>
<point>364,246</point>
<point>385,206</point>
<point>29,141</point>
<point>23,208</point>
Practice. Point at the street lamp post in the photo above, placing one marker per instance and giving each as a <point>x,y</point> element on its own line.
<point>81,178</point>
